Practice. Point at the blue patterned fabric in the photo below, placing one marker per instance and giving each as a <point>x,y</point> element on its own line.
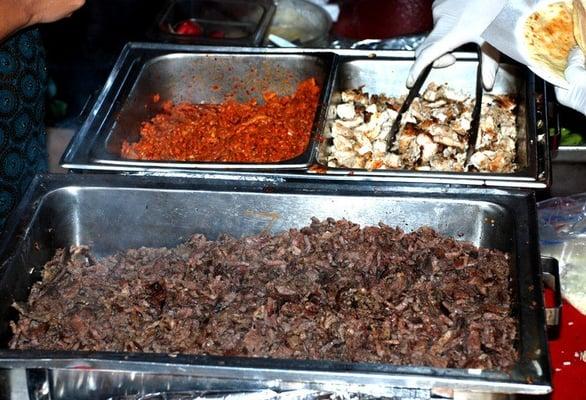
<point>23,151</point>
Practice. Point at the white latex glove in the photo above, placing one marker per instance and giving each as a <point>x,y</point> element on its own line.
<point>457,22</point>
<point>575,96</point>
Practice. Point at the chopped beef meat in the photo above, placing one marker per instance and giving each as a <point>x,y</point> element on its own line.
<point>329,291</point>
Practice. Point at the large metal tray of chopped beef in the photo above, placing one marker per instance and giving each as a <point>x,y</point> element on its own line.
<point>147,75</point>
<point>112,213</point>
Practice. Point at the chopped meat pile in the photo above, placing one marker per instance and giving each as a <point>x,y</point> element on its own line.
<point>277,130</point>
<point>433,135</point>
<point>330,291</point>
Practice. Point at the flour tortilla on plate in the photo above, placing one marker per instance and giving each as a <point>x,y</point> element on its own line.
<point>549,37</point>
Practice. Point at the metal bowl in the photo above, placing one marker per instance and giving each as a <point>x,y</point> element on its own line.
<point>302,23</point>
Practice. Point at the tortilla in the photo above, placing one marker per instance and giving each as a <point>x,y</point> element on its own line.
<point>549,36</point>
<point>579,16</point>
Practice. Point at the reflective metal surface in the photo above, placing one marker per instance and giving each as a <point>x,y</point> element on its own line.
<point>113,212</point>
<point>551,280</point>
<point>571,154</point>
<point>568,168</point>
<point>301,22</point>
<point>224,22</point>
<point>568,178</point>
<point>147,66</point>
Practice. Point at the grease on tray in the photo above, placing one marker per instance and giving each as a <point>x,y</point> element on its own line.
<point>433,134</point>
<point>277,130</point>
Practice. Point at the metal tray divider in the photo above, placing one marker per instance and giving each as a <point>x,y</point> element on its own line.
<point>321,117</point>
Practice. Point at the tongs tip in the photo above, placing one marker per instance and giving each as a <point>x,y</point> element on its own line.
<point>413,93</point>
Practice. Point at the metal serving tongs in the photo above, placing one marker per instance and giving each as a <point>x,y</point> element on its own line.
<point>413,93</point>
<point>475,124</point>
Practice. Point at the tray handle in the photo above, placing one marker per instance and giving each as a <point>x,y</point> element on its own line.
<point>552,118</point>
<point>551,280</point>
<point>547,127</point>
<point>87,107</point>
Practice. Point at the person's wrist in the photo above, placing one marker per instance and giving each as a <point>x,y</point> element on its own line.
<point>28,9</point>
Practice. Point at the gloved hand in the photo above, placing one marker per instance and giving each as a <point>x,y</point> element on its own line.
<point>575,96</point>
<point>457,22</point>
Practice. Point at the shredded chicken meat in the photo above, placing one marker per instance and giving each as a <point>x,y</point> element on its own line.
<point>434,133</point>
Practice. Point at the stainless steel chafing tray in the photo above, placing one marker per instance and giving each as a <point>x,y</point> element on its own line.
<point>188,73</point>
<point>113,212</point>
<point>568,168</point>
<point>387,76</point>
<point>224,22</point>
<point>570,154</point>
<point>195,78</point>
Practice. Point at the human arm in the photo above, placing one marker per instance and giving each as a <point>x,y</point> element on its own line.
<point>457,22</point>
<point>20,14</point>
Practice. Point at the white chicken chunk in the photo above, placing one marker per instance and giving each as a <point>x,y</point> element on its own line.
<point>343,143</point>
<point>340,130</point>
<point>355,96</point>
<point>363,145</point>
<point>346,111</point>
<point>393,161</point>
<point>453,95</point>
<point>493,161</point>
<point>432,92</point>
<point>462,125</point>
<point>372,109</point>
<point>428,147</point>
<point>445,135</point>
<point>353,123</point>
<point>379,147</point>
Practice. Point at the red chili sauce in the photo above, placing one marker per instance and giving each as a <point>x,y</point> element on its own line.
<point>277,130</point>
